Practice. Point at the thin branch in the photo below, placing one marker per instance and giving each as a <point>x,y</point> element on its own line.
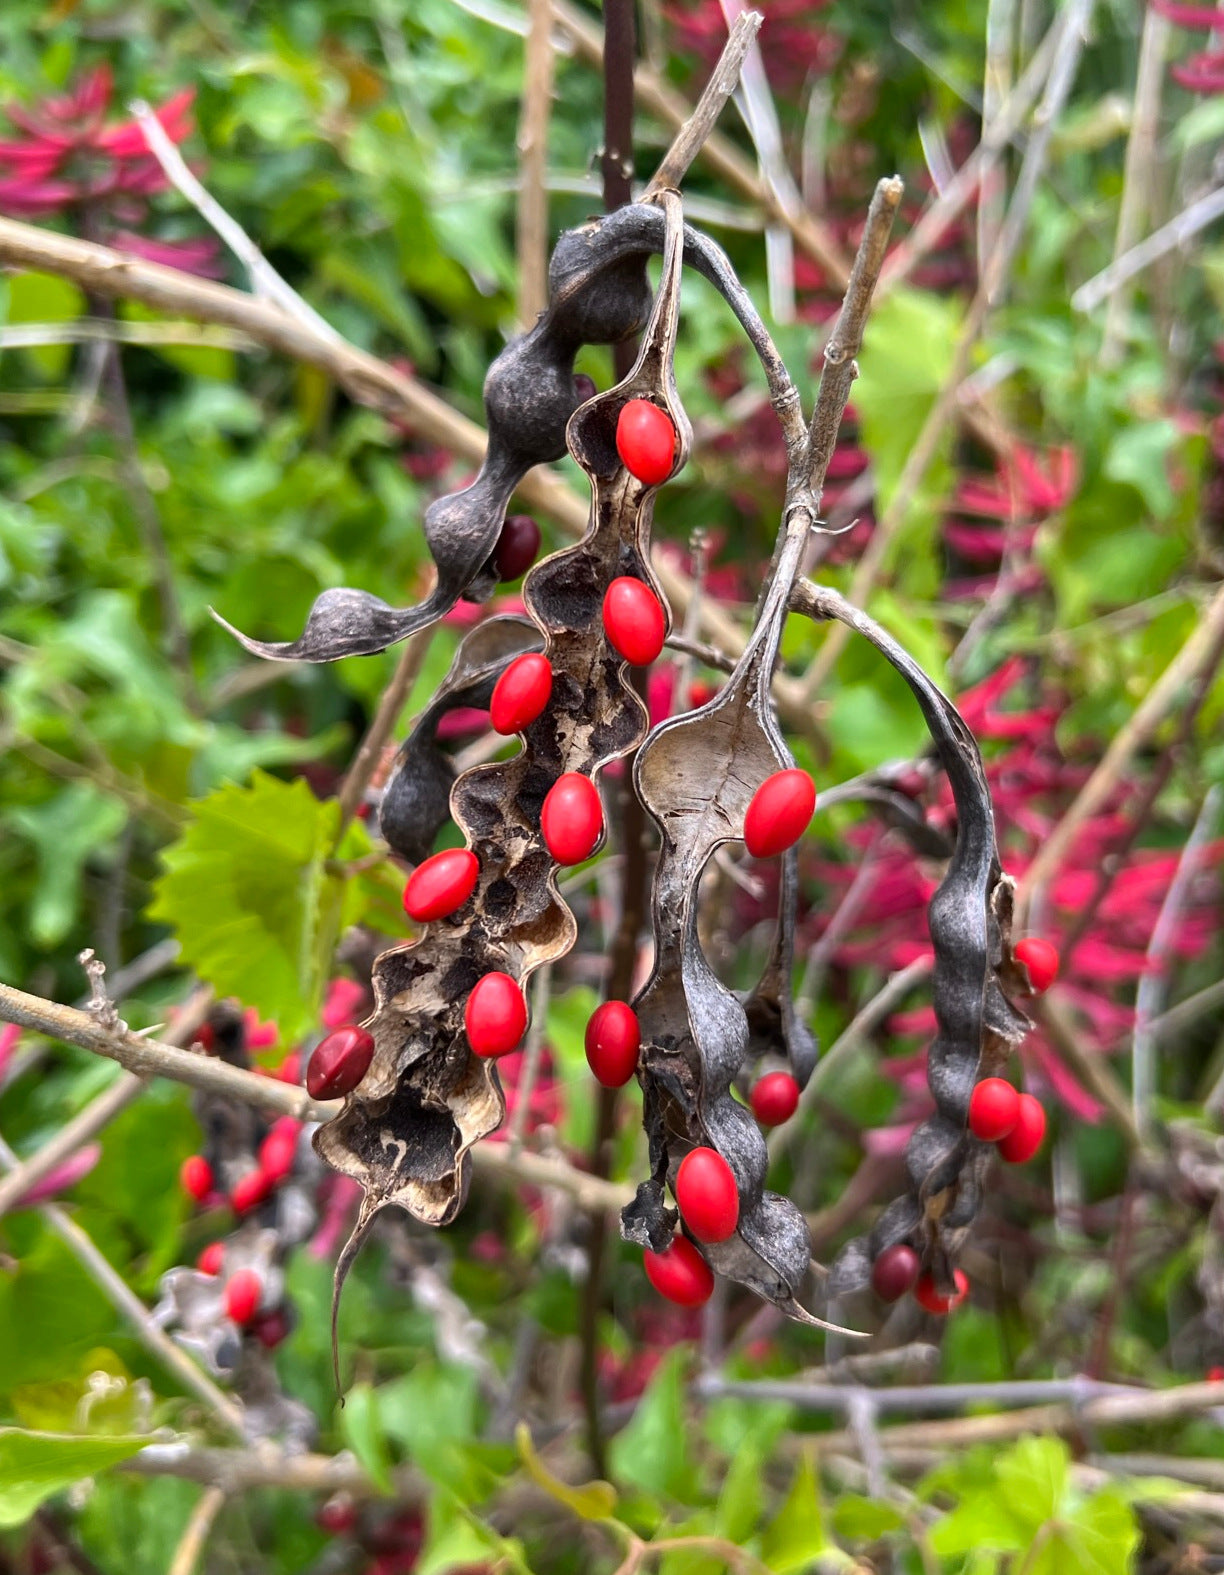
<point>195,1534</point>
<point>95,330</point>
<point>695,132</point>
<point>915,1399</point>
<point>996,86</point>
<point>394,698</point>
<point>1176,233</point>
<point>533,164</point>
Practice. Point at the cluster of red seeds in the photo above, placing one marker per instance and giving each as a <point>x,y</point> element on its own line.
<point>275,1161</point>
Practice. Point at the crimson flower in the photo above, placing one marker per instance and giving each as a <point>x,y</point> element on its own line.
<point>1204,72</point>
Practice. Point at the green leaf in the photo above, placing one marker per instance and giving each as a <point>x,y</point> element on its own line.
<point>33,1466</point>
<point>652,1453</point>
<point>45,298</point>
<point>796,1535</point>
<point>67,831</point>
<point>865,1519</point>
<point>1140,456</point>
<point>1032,1479</point>
<point>365,1435</point>
<point>591,1500</point>
<point>1101,1538</point>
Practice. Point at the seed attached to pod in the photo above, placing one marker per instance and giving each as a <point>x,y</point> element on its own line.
<point>1040,958</point>
<point>250,1190</point>
<point>495,1017</point>
<point>895,1272</point>
<point>774,1098</point>
<point>572,818</point>
<point>680,1273</point>
<point>646,441</point>
<point>212,1258</point>
<point>779,812</point>
<point>521,693</point>
<point>338,1063</point>
<point>243,1294</point>
<point>613,1039</point>
<point>634,620</point>
<point>441,885</point>
<point>278,1150</point>
<point>1026,1137</point>
<point>926,1294</point>
<point>271,1328</point>
<point>516,546</point>
<point>196,1177</point>
<point>994,1109</point>
<point>707,1195</point>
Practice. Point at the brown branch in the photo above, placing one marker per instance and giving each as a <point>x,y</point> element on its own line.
<point>195,1533</point>
<point>697,129</point>
<point>533,163</point>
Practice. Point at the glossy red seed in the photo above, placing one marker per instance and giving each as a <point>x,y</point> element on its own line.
<point>1026,1137</point>
<point>1040,958</point>
<point>572,818</point>
<point>495,1017</point>
<point>212,1258</point>
<point>779,812</point>
<point>521,693</point>
<point>250,1191</point>
<point>271,1328</point>
<point>646,441</point>
<point>994,1109</point>
<point>707,1196</point>
<point>774,1098</point>
<point>205,1037</point>
<point>196,1177</point>
<point>894,1272</point>
<point>516,546</point>
<point>243,1294</point>
<point>337,1516</point>
<point>680,1273</point>
<point>701,692</point>
<point>926,1295</point>
<point>441,885</point>
<point>613,1040</point>
<point>634,620</point>
<point>338,1063</point>
<point>278,1150</point>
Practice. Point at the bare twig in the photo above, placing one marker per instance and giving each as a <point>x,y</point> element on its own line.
<point>394,698</point>
<point>533,163</point>
<point>997,84</point>
<point>695,132</point>
<point>917,1399</point>
<point>1176,233</point>
<point>199,1523</point>
<point>93,330</point>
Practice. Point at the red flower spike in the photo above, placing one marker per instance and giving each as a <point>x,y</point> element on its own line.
<point>196,1177</point>
<point>1040,958</point>
<point>994,1109</point>
<point>338,1063</point>
<point>646,441</point>
<point>779,812</point>
<point>250,1191</point>
<point>243,1295</point>
<point>495,1017</point>
<point>613,1039</point>
<point>212,1258</point>
<point>634,620</point>
<point>572,818</point>
<point>680,1273</point>
<point>926,1295</point>
<point>516,546</point>
<point>1027,1136</point>
<point>774,1098</point>
<point>521,694</point>
<point>441,885</point>
<point>895,1272</point>
<point>707,1195</point>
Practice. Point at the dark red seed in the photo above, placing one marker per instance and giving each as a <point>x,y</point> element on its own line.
<point>707,1196</point>
<point>926,1295</point>
<point>338,1063</point>
<point>634,620</point>
<point>521,693</point>
<point>495,1017</point>
<point>584,387</point>
<point>572,818</point>
<point>701,692</point>
<point>337,1515</point>
<point>278,1150</point>
<point>646,441</point>
<point>212,1258</point>
<point>250,1191</point>
<point>441,885</point>
<point>291,1068</point>
<point>243,1294</point>
<point>1026,1137</point>
<point>196,1177</point>
<point>680,1273</point>
<point>271,1328</point>
<point>774,1098</point>
<point>994,1109</point>
<point>613,1040</point>
<point>1040,958</point>
<point>894,1272</point>
<point>516,546</point>
<point>779,812</point>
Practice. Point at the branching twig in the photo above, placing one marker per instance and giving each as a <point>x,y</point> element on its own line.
<point>695,132</point>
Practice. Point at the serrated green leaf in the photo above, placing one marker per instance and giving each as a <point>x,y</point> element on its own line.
<point>33,1466</point>
<point>1032,1478</point>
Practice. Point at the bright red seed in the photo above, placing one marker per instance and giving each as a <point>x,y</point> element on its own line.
<point>250,1191</point>
<point>646,441</point>
<point>1041,961</point>
<point>291,1068</point>
<point>634,620</point>
<point>278,1150</point>
<point>707,1195</point>
<point>774,1098</point>
<point>572,818</point>
<point>1026,1137</point>
<point>613,1040</point>
<point>516,546</point>
<point>680,1273</point>
<point>495,1017</point>
<point>196,1177</point>
<point>926,1295</point>
<point>441,884</point>
<point>521,693</point>
<point>779,813</point>
<point>338,1063</point>
<point>894,1272</point>
<point>994,1109</point>
<point>243,1294</point>
<point>271,1328</point>
<point>212,1258</point>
